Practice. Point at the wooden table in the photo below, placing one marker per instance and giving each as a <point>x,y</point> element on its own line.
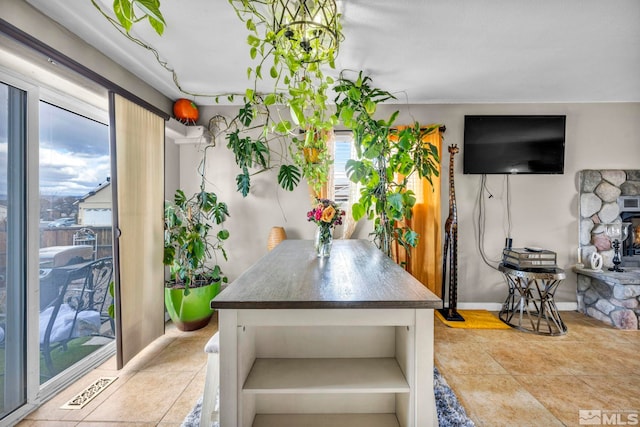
<point>341,341</point>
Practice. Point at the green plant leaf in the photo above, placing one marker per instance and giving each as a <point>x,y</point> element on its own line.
<point>243,183</point>
<point>288,177</point>
<point>270,99</point>
<point>246,114</point>
<point>283,127</point>
<point>223,234</point>
<point>253,40</point>
<point>150,8</point>
<point>411,237</point>
<point>356,170</point>
<point>156,25</point>
<point>123,9</point>
<point>180,199</point>
<point>357,210</point>
<point>260,153</point>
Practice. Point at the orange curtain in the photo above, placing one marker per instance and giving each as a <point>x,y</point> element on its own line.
<point>425,260</point>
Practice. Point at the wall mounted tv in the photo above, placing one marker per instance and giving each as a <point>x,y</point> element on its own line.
<point>514,144</point>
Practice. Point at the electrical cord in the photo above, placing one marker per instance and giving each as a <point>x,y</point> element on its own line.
<point>481,222</point>
<point>508,208</point>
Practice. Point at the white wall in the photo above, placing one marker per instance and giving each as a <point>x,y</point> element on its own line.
<point>544,208</point>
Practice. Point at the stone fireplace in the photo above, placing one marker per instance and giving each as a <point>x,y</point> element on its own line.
<point>610,196</point>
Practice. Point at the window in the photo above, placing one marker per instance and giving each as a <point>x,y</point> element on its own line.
<point>343,151</point>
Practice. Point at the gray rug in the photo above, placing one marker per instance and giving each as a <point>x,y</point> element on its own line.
<point>450,412</point>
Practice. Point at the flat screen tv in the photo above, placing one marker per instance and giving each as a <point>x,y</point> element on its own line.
<point>514,144</point>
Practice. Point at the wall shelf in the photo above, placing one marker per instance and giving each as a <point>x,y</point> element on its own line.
<point>183,134</point>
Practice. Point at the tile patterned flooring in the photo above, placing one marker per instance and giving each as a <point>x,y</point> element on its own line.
<point>502,378</point>
<point>157,388</point>
<point>512,378</point>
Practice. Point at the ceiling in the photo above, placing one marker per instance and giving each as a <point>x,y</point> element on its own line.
<point>424,51</point>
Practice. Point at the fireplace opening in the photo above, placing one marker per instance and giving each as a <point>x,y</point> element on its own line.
<point>630,212</point>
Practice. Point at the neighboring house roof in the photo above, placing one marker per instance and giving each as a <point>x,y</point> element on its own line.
<point>93,192</point>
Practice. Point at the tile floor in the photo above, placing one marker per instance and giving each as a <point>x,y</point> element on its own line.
<point>157,388</point>
<point>512,378</point>
<point>502,378</point>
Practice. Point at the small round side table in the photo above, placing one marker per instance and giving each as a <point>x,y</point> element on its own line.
<point>530,306</point>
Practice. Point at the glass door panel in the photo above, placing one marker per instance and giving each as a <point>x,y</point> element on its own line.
<point>75,238</point>
<point>12,249</point>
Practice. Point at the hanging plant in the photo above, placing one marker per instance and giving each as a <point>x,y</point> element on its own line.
<point>260,135</point>
<point>299,89</point>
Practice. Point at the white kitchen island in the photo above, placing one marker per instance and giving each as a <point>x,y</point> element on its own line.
<point>326,342</point>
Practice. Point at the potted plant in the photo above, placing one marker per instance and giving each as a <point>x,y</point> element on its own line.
<point>191,242</point>
<point>387,157</point>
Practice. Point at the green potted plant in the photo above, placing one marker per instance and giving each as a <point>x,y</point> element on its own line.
<point>193,236</point>
<point>387,158</point>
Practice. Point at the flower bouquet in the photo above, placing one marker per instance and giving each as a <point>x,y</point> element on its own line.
<point>326,214</point>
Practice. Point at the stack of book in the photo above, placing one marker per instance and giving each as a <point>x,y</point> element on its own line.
<point>527,258</point>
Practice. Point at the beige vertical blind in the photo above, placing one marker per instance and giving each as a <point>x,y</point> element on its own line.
<point>139,202</point>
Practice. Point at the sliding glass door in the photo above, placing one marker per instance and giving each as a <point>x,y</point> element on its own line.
<point>13,372</point>
<point>56,248</point>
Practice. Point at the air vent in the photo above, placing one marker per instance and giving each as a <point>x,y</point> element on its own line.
<point>89,393</point>
<point>629,203</point>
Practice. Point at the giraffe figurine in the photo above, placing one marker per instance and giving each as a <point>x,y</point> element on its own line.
<point>451,248</point>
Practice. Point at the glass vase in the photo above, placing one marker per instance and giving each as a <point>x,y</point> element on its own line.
<point>323,241</point>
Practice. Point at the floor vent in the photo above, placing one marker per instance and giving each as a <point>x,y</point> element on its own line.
<point>89,393</point>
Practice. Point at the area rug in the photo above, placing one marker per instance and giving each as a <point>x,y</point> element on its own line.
<point>450,412</point>
<point>475,319</point>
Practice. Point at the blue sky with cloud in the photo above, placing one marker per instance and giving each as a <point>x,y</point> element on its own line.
<point>74,151</point>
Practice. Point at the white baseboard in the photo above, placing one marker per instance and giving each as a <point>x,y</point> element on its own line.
<point>491,306</point>
<point>497,306</point>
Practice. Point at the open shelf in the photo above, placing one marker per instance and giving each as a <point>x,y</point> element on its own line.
<point>326,375</point>
<point>323,420</point>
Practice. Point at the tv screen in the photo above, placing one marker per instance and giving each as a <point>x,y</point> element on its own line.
<point>514,144</point>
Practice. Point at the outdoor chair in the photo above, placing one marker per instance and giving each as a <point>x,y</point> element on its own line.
<point>80,309</point>
<point>86,236</point>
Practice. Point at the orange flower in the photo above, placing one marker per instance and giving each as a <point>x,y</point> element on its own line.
<point>328,214</point>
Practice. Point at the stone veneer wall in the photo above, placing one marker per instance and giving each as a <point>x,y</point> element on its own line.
<point>599,192</point>
<point>613,298</point>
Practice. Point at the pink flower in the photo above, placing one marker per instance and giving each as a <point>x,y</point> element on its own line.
<point>326,213</point>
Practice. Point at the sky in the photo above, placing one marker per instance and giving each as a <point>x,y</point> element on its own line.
<point>74,151</point>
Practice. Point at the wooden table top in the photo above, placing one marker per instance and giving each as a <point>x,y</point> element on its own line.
<point>356,275</point>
